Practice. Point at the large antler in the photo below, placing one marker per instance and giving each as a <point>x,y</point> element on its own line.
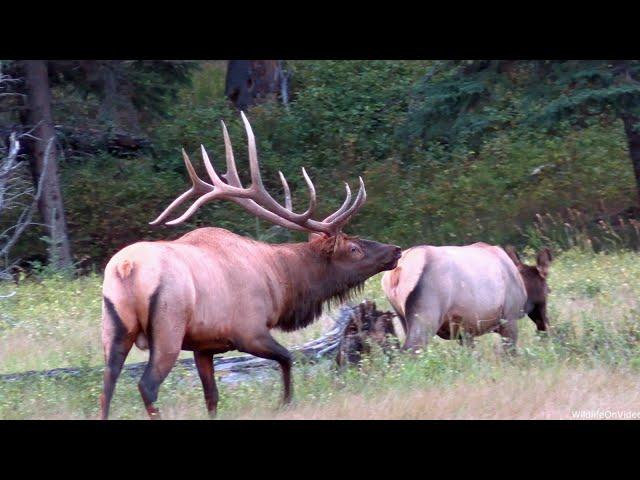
<point>256,199</point>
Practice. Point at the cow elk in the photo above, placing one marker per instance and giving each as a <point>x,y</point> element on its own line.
<point>535,283</point>
<point>467,291</point>
<point>211,291</point>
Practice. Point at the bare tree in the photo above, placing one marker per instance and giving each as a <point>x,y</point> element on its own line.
<point>16,195</point>
<point>41,146</point>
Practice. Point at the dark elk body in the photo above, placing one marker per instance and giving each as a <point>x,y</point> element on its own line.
<point>212,291</point>
<point>535,282</point>
<point>458,292</point>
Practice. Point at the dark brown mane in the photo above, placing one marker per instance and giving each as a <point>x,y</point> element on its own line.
<point>307,309</point>
<point>313,282</point>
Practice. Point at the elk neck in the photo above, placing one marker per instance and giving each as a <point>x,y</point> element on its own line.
<point>310,280</point>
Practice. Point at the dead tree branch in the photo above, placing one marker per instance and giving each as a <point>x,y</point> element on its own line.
<point>8,170</point>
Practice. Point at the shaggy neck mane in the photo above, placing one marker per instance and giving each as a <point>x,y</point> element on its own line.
<point>311,280</point>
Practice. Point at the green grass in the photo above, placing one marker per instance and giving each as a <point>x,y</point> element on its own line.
<point>594,309</point>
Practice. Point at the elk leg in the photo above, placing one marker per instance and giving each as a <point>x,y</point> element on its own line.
<point>416,337</point>
<point>466,339</point>
<point>264,346</point>
<point>509,333</point>
<point>539,316</point>
<point>403,323</point>
<point>420,329</point>
<point>204,364</point>
<point>159,366</point>
<point>115,354</point>
<point>117,340</point>
<point>423,317</point>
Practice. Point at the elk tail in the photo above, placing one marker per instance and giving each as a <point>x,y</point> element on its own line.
<point>124,269</point>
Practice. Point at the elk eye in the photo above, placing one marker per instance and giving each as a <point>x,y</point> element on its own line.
<point>354,249</point>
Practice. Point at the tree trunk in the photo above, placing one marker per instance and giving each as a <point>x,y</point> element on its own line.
<point>633,140</point>
<point>116,106</point>
<point>50,203</point>
<point>249,81</point>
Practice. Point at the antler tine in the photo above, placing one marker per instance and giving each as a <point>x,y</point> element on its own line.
<point>334,222</point>
<point>262,197</point>
<point>340,220</point>
<point>256,178</point>
<point>344,206</point>
<point>192,209</point>
<point>287,193</point>
<point>232,173</point>
<point>248,198</point>
<point>198,187</point>
<point>218,183</point>
<point>247,204</point>
<point>312,192</point>
<point>256,199</point>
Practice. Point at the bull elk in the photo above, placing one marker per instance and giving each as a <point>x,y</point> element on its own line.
<point>458,292</point>
<point>211,291</point>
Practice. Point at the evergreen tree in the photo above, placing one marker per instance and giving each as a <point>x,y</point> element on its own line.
<point>461,102</point>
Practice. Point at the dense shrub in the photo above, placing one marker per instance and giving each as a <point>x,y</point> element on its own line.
<point>350,118</point>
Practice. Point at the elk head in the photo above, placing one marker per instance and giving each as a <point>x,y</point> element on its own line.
<point>357,259</point>
<point>535,282</point>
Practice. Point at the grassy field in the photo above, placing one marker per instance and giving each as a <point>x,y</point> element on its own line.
<point>590,361</point>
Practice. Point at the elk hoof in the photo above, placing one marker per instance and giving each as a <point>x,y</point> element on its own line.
<point>154,413</point>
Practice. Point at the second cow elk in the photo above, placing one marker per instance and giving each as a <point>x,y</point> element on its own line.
<point>457,292</point>
<point>211,291</point>
<point>535,282</point>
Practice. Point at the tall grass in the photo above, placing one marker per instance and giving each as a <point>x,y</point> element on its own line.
<point>575,229</point>
<point>591,359</point>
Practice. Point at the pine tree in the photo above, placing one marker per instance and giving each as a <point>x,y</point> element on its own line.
<point>461,102</point>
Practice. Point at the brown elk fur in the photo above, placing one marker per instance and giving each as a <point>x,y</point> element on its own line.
<point>535,282</point>
<point>212,291</point>
<point>466,291</point>
<point>455,292</point>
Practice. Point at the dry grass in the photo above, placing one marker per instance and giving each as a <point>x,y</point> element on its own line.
<point>57,323</point>
<point>590,362</point>
<point>518,395</point>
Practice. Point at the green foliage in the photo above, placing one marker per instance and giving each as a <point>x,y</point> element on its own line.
<point>151,85</point>
<point>351,118</point>
<point>156,83</point>
<point>574,229</point>
<point>578,89</point>
<point>451,151</point>
<point>458,103</point>
<point>111,201</point>
<point>341,121</point>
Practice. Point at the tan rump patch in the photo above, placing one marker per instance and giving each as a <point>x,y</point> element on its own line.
<point>395,278</point>
<point>124,269</point>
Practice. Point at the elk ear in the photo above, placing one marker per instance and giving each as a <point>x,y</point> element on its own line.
<point>513,255</point>
<point>315,236</point>
<point>544,261</point>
